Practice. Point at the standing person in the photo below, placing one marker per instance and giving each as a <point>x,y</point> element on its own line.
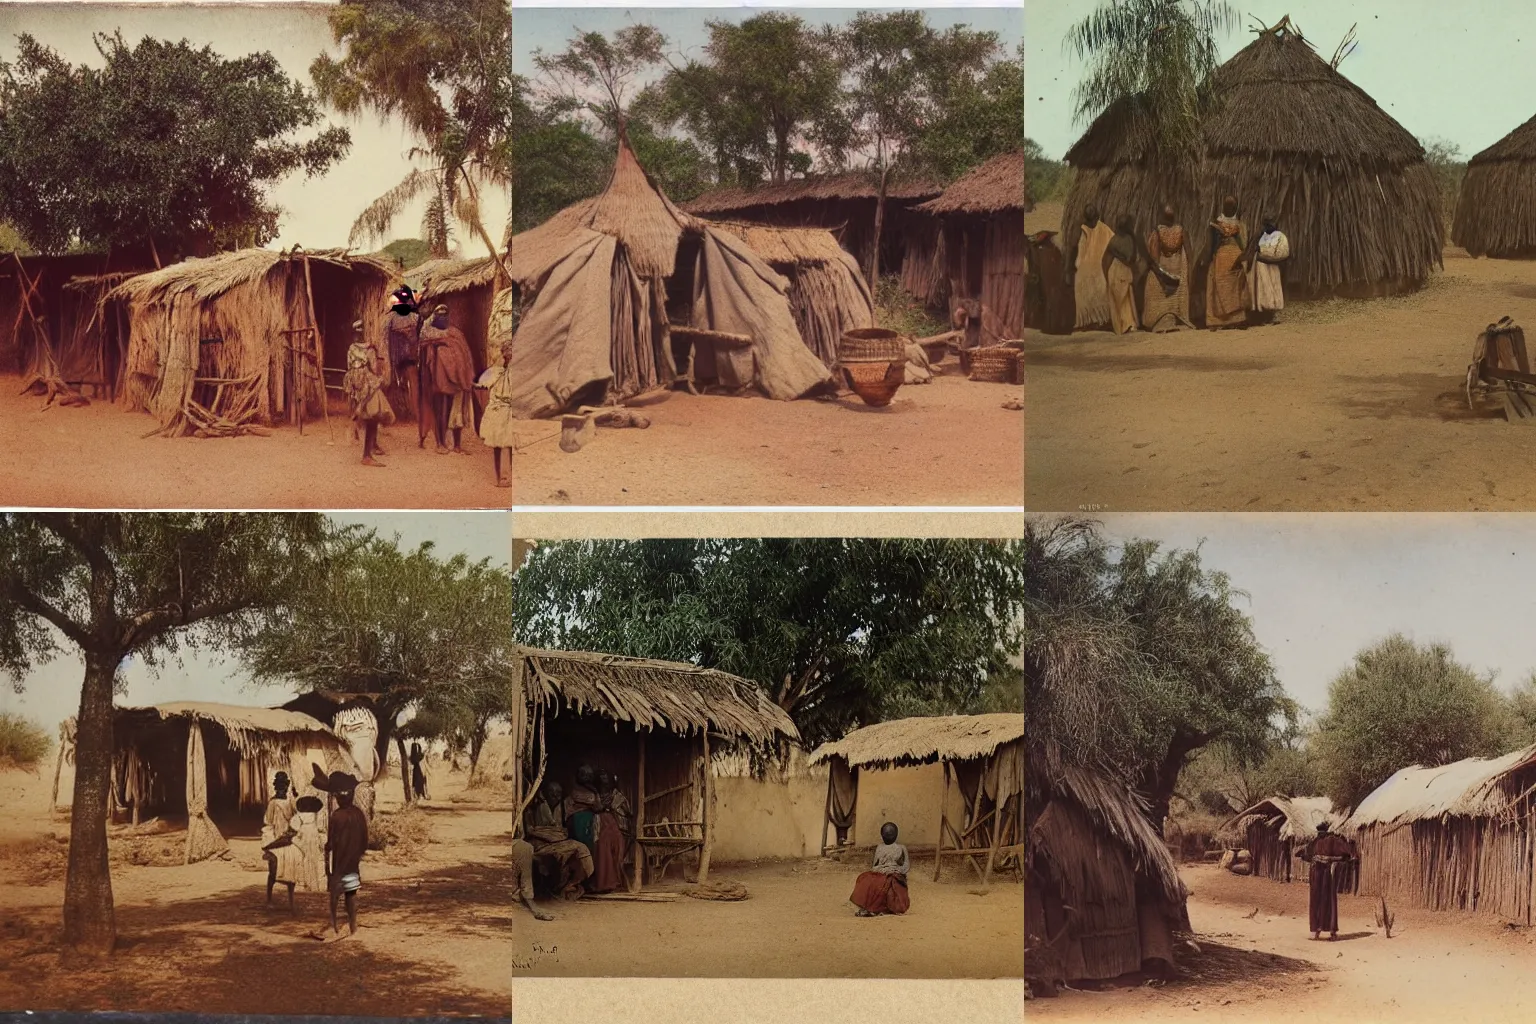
<point>418,774</point>
<point>1225,289</point>
<point>1165,293</point>
<point>1326,854</point>
<point>608,852</point>
<point>274,826</point>
<point>496,424</point>
<point>1048,297</point>
<point>883,888</point>
<point>365,393</point>
<point>1089,286</point>
<point>450,379</point>
<point>1266,296</point>
<point>402,330</point>
<point>1120,276</point>
<point>345,842</point>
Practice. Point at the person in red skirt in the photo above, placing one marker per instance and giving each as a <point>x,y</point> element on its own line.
<point>883,888</point>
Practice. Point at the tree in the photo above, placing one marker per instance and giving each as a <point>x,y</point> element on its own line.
<point>836,632</point>
<point>1158,53</point>
<point>556,159</point>
<point>1400,704</point>
<point>598,74</point>
<point>406,628</point>
<point>109,586</point>
<point>1446,162</point>
<point>698,97</point>
<point>444,67</point>
<point>978,108</point>
<point>164,143</point>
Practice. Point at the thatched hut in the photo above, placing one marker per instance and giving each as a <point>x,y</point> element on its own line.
<point>983,757</point>
<point>468,288</point>
<point>250,335</point>
<point>1289,136</point>
<point>619,292</point>
<point>1455,837</point>
<point>1102,894</point>
<point>842,203</point>
<point>212,764</point>
<point>1495,212</point>
<point>982,218</point>
<point>1274,830</point>
<point>654,724</point>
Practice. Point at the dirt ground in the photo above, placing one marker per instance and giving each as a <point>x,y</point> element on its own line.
<point>946,443</point>
<point>432,938</point>
<point>1264,966</point>
<point>796,923</point>
<point>1340,405</point>
<point>97,457</point>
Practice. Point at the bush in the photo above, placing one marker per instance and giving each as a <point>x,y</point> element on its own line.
<point>23,743</point>
<point>897,311</point>
<point>404,834</point>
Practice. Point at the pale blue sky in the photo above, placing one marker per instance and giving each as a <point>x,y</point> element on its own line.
<point>1445,69</point>
<point>52,693</point>
<point>1323,585</point>
<point>318,212</point>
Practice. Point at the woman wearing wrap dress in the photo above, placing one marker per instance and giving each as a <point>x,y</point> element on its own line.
<point>1088,286</point>
<point>1225,287</point>
<point>1165,292</point>
<point>1266,294</point>
<point>1120,276</point>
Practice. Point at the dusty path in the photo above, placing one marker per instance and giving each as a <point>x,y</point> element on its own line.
<point>1342,405</point>
<point>96,457</point>
<point>945,443</point>
<point>433,937</point>
<point>796,923</point>
<point>1436,967</point>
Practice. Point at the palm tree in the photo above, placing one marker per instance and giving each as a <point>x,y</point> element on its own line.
<point>1159,53</point>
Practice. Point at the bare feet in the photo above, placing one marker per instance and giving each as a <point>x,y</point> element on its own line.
<point>442,450</point>
<point>460,451</point>
<point>368,461</point>
<point>502,481</point>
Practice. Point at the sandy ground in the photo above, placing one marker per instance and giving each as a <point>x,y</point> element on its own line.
<point>946,443</point>
<point>1265,967</point>
<point>1341,405</point>
<point>97,457</point>
<point>796,923</point>
<point>432,937</point>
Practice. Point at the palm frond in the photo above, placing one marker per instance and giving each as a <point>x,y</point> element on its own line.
<point>374,222</point>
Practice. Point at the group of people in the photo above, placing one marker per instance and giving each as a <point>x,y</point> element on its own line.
<point>1123,280</point>
<point>305,851</point>
<point>573,844</point>
<point>430,354</point>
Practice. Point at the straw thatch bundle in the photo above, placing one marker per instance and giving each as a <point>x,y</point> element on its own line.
<point>1290,137</point>
<point>252,732</point>
<point>1495,214</point>
<point>655,694</point>
<point>837,187</point>
<point>993,187</point>
<point>1274,830</point>
<point>913,741</point>
<point>1469,787</point>
<point>446,276</point>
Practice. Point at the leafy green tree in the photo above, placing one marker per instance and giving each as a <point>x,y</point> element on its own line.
<point>11,241</point>
<point>405,627</point>
<point>1446,162</point>
<point>599,74</point>
<point>979,110</point>
<point>837,632</point>
<point>408,252</point>
<point>1401,704</point>
<point>697,96</point>
<point>147,585</point>
<point>164,142</point>
<point>444,68</point>
<point>556,159</point>
<point>23,743</point>
<point>1045,178</point>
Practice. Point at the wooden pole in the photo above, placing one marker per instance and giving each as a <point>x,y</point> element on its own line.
<point>58,767</point>
<point>309,296</point>
<point>938,848</point>
<point>826,812</point>
<point>997,837</point>
<point>709,813</point>
<point>638,879</point>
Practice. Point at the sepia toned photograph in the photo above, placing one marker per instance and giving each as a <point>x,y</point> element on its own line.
<point>767,257</point>
<point>1277,266</point>
<point>255,763</point>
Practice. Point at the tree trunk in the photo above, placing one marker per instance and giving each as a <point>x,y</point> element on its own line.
<point>89,922</point>
<point>405,772</point>
<point>476,744</point>
<point>1165,776</point>
<point>874,254</point>
<point>780,154</point>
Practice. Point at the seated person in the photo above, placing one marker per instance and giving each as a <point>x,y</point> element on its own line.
<point>883,888</point>
<point>562,861</point>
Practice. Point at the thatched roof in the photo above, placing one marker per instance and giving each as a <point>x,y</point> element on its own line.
<point>655,694</point>
<point>1121,813</point>
<point>250,730</point>
<point>1519,144</point>
<point>1296,817</point>
<point>994,187</point>
<point>1468,787</point>
<point>1494,214</point>
<point>446,276</point>
<point>210,277</point>
<point>853,185</point>
<point>913,741</point>
<point>784,246</point>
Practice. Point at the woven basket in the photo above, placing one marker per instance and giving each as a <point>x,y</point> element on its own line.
<point>871,345</point>
<point>876,383</point>
<point>997,365</point>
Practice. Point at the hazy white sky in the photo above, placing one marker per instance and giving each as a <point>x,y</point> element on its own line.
<point>52,693</point>
<point>318,212</point>
<point>1440,67</point>
<point>1323,585</point>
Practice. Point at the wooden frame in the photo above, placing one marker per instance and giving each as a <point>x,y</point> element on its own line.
<point>658,844</point>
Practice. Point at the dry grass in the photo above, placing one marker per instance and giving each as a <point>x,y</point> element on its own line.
<point>23,743</point>
<point>405,834</point>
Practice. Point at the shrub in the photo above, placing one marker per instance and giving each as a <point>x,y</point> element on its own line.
<point>23,743</point>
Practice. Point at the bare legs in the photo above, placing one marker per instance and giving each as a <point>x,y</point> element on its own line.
<point>351,900</point>
<point>502,481</point>
<point>371,443</point>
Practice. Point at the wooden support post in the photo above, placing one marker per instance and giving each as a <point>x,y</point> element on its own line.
<point>58,767</point>
<point>997,837</point>
<point>638,878</point>
<point>938,848</point>
<point>853,816</point>
<point>826,812</point>
<point>309,295</point>
<point>708,816</point>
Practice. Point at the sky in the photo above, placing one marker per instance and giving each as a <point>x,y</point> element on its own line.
<point>318,211</point>
<point>52,693</point>
<point>1440,68</point>
<point>1323,585</point>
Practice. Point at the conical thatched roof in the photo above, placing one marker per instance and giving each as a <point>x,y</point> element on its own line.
<point>1495,212</point>
<point>994,187</point>
<point>913,741</point>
